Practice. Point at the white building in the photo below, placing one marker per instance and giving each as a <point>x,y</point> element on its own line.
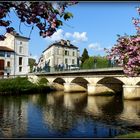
<point>60,53</point>
<point>14,55</point>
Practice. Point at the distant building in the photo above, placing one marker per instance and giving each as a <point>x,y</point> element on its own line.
<point>59,53</point>
<point>14,55</point>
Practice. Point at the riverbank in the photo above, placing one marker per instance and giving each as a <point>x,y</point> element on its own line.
<point>21,85</point>
<point>131,135</point>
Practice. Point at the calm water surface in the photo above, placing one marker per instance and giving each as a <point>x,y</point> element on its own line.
<point>59,114</point>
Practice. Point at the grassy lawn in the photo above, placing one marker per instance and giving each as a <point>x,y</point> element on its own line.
<point>131,135</point>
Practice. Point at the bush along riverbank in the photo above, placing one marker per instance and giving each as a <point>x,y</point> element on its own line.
<point>22,85</point>
<point>131,135</point>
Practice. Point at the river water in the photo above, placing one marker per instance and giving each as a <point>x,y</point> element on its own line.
<point>68,115</point>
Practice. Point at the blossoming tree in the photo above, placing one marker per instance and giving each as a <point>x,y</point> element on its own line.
<point>127,50</point>
<point>44,15</point>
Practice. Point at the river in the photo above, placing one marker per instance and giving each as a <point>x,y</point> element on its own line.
<point>68,115</point>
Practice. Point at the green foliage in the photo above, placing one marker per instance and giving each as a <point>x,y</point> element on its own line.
<point>131,135</point>
<point>102,62</point>
<point>43,81</point>
<point>15,85</point>
<point>59,23</point>
<point>85,56</point>
<point>31,63</point>
<point>67,15</point>
<point>22,85</point>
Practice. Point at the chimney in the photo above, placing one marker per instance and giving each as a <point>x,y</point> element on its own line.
<point>62,41</point>
<point>68,42</point>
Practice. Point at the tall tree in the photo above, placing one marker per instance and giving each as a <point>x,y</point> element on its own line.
<point>47,16</point>
<point>127,50</point>
<point>84,56</point>
<point>31,63</point>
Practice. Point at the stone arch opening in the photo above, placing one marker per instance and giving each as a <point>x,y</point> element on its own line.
<point>80,81</point>
<point>59,81</point>
<point>58,84</point>
<point>111,84</point>
<point>43,81</point>
<point>138,83</point>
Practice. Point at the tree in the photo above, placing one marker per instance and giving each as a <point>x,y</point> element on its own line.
<point>127,50</point>
<point>44,15</point>
<point>84,56</point>
<point>31,63</point>
<point>101,62</point>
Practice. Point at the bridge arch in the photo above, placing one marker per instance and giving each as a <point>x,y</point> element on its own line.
<point>113,84</point>
<point>80,81</point>
<point>78,84</point>
<point>138,83</point>
<point>58,83</point>
<point>43,80</point>
<point>59,80</point>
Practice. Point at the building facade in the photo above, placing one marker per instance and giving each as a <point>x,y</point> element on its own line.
<point>14,55</point>
<point>61,53</point>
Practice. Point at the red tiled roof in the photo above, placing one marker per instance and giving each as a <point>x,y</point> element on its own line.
<point>4,48</point>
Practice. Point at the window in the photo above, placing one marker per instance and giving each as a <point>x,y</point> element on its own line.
<point>20,69</point>
<point>66,61</point>
<point>8,54</point>
<point>2,54</point>
<point>72,61</point>
<point>20,49</point>
<point>8,64</point>
<point>66,52</point>
<point>20,60</point>
<point>20,42</point>
<point>73,53</point>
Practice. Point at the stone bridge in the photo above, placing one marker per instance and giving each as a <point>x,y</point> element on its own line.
<point>94,82</point>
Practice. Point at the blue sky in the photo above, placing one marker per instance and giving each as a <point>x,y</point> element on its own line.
<point>95,26</point>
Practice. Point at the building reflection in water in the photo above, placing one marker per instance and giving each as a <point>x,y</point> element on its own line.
<point>55,116</point>
<point>13,117</point>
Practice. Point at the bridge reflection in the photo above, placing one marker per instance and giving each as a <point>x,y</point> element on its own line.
<point>110,109</point>
<point>75,101</point>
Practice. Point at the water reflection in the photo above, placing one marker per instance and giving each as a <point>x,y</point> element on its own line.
<point>60,114</point>
<point>13,116</point>
<point>131,114</point>
<point>75,101</point>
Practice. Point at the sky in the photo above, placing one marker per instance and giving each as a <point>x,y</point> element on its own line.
<point>94,26</point>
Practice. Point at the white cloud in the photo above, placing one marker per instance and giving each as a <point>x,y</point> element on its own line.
<point>74,37</point>
<point>78,37</point>
<point>56,36</point>
<point>95,46</point>
<point>68,35</point>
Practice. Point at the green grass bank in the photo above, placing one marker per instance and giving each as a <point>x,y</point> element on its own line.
<point>131,135</point>
<point>23,85</point>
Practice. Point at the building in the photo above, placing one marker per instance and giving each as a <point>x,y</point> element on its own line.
<point>59,54</point>
<point>14,55</point>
